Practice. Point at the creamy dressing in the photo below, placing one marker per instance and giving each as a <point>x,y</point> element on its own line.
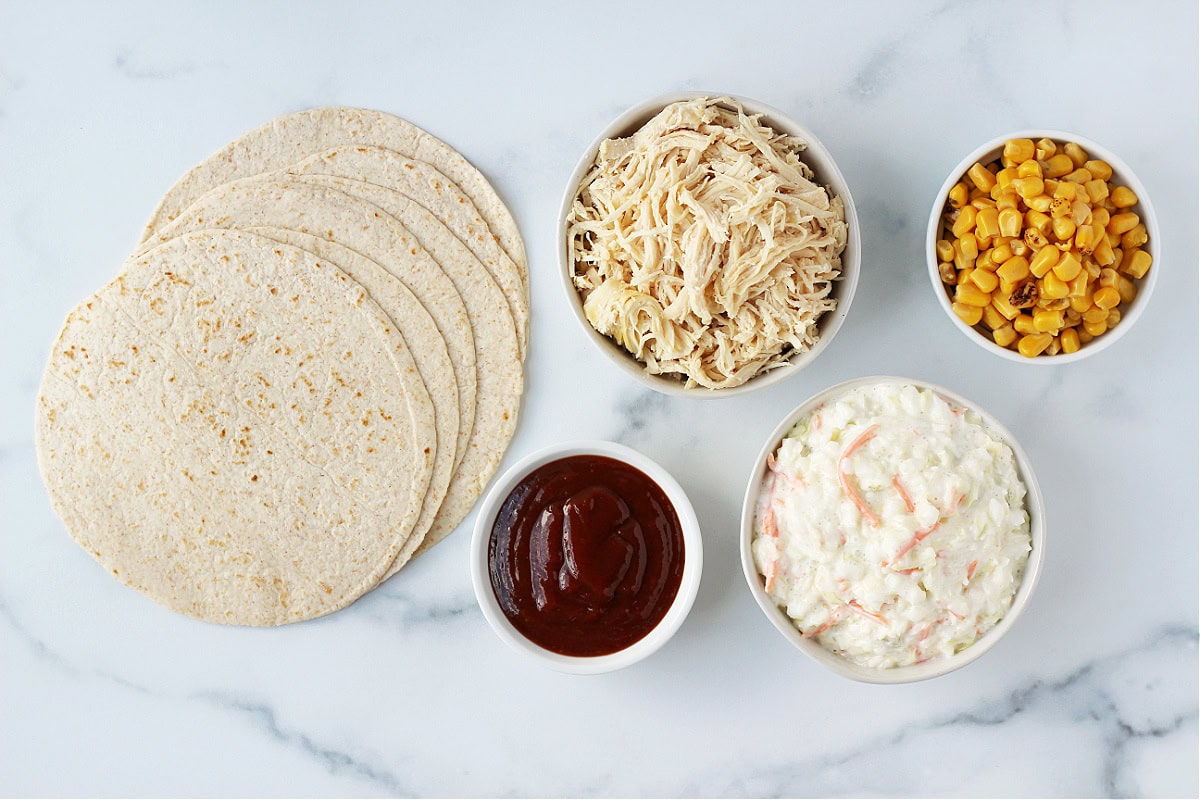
<point>892,526</point>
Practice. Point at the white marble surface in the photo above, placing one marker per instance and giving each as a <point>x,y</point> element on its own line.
<point>1094,692</point>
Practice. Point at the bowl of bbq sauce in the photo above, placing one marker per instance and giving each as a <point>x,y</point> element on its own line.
<point>586,556</point>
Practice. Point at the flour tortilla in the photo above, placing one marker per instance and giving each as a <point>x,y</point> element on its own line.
<point>234,428</point>
<point>292,138</point>
<point>498,360</point>
<point>431,189</point>
<point>286,202</point>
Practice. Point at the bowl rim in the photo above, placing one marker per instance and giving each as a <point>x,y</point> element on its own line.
<point>1146,212</point>
<point>689,584</point>
<point>1034,504</point>
<point>827,173</point>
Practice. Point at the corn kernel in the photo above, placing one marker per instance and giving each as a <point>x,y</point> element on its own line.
<point>1068,267</point>
<point>1091,268</point>
<point>1061,304</point>
<point>981,203</point>
<point>1007,199</point>
<point>1084,336</point>
<point>1060,207</point>
<point>945,250</point>
<point>986,281</point>
<point>1033,344</point>
<point>1069,340</point>
<point>1009,222</point>
<point>1081,303</point>
<point>1001,304</point>
<point>1123,222</point>
<point>1108,277</point>
<point>1101,217</point>
<point>1023,324</point>
<point>1017,151</point>
<point>1044,148</point>
<point>947,273</point>
<point>1095,328</point>
<point>987,222</point>
<point>1122,197</point>
<point>1114,316</point>
<point>1107,297</point>
<point>1080,212</point>
<point>1020,247</point>
<point>1126,288</point>
<point>993,318</point>
<point>1040,203</point>
<point>1002,252</point>
<point>1076,153</point>
<point>1052,287</point>
<point>985,261</point>
<point>1038,220</point>
<point>958,196</point>
<point>961,260</point>
<point>1097,191</point>
<point>1054,347</point>
<point>1135,237</point>
<point>1064,229</point>
<point>1045,260</point>
<point>972,295</point>
<point>983,179</point>
<point>965,221</point>
<point>967,246</point>
<point>1004,336</point>
<point>1048,321</point>
<point>968,314</point>
<point>1066,190</point>
<point>1013,270</point>
<point>1029,169</point>
<point>962,275</point>
<point>1085,239</point>
<point>1080,175</point>
<point>1100,170</point>
<point>1028,187</point>
<point>1004,177</point>
<point>1079,285</point>
<point>1059,165</point>
<point>1095,314</point>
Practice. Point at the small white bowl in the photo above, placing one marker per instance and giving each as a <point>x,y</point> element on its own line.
<point>825,172</point>
<point>693,559</point>
<point>1122,175</point>
<point>916,672</point>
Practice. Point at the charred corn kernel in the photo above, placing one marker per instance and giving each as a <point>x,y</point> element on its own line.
<point>1095,328</point>
<point>1079,285</point>
<point>968,314</point>
<point>1135,237</point>
<point>972,295</point>
<point>1034,239</point>
<point>1009,222</point>
<point>1008,199</point>
<point>1076,153</point>
<point>1108,277</point>
<point>1032,345</point>
<point>945,250</point>
<point>1126,288</point>
<point>1067,268</point>
<point>967,246</point>
<point>1060,207</point>
<point>993,318</point>
<point>1014,269</point>
<point>1040,203</point>
<point>959,196</point>
<point>1023,324</point>
<point>1061,304</point>
<point>1064,229</point>
<point>1004,335</point>
<point>1069,340</point>
<point>986,281</point>
<point>1085,239</point>
<point>965,221</point>
<point>1052,287</point>
<point>1047,321</point>
<point>1029,187</point>
<point>1029,169</point>
<point>1084,336</point>
<point>1018,150</point>
<point>982,177</point>
<point>947,273</point>
<point>1059,165</point>
<point>987,222</point>
<point>1020,246</point>
<point>1044,148</point>
<point>1123,197</point>
<point>1097,191</point>
<point>1080,212</point>
<point>1107,297</point>
<point>1137,264</point>
<point>1054,347</point>
<point>1123,222</point>
<point>1002,252</point>
<point>1066,190</point>
<point>1080,175</point>
<point>1101,170</point>
<point>1001,304</point>
<point>1038,221</point>
<point>1044,261</point>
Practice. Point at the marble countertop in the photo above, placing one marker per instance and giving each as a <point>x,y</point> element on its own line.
<point>408,692</point>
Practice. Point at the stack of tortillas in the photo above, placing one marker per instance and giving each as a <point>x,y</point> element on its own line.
<point>305,374</point>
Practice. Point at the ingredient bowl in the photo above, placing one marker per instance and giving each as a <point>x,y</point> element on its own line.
<point>934,666</point>
<point>826,174</point>
<point>578,537</point>
<point>984,310</point>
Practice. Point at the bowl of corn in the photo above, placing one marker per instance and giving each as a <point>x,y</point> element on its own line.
<point>1042,247</point>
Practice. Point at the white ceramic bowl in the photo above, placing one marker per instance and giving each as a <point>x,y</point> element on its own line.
<point>1122,175</point>
<point>916,672</point>
<point>826,173</point>
<point>693,561</point>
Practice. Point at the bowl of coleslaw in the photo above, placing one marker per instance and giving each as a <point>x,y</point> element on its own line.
<point>708,244</point>
<point>892,530</point>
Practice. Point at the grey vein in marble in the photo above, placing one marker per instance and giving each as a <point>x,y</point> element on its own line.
<point>404,610</point>
<point>637,413</point>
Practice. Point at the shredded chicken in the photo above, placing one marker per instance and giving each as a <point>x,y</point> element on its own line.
<point>702,246</point>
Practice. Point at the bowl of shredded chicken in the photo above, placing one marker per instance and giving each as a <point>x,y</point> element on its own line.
<point>708,245</point>
<point>892,529</point>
